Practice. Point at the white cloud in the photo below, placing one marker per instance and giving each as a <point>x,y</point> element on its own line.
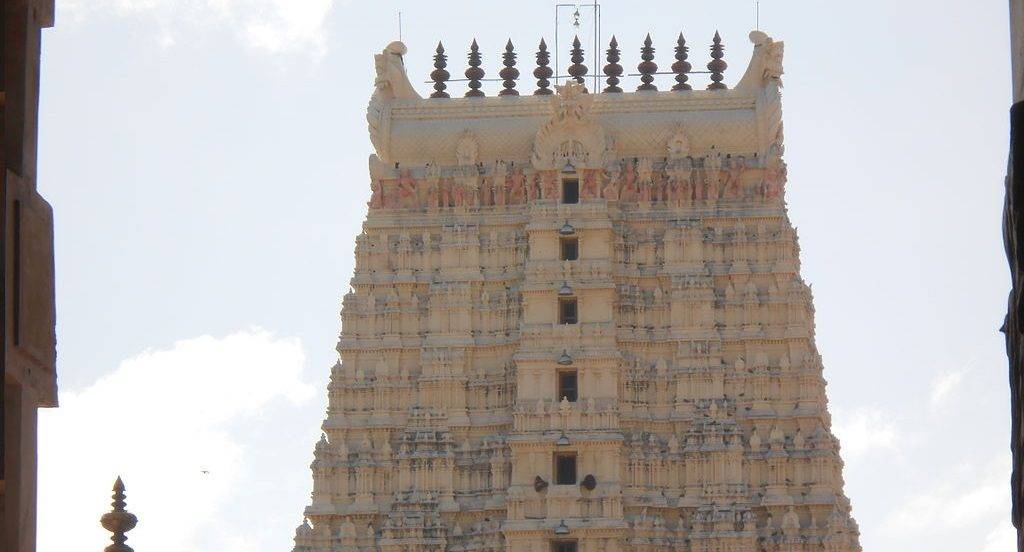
<point>271,26</point>
<point>1001,539</point>
<point>966,495</point>
<point>164,420</point>
<point>946,383</point>
<point>863,431</point>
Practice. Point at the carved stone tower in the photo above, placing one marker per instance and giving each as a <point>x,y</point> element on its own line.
<point>577,323</point>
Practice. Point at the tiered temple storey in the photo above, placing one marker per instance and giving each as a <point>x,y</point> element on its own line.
<point>577,324</point>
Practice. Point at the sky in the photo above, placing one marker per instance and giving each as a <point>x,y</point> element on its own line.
<point>206,162</point>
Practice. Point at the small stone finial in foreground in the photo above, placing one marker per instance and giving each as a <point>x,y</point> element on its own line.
<point>118,520</point>
<point>439,75</point>
<point>543,72</point>
<point>577,70</point>
<point>681,67</point>
<point>717,65</point>
<point>647,67</point>
<point>509,73</point>
<point>474,73</point>
<point>613,70</point>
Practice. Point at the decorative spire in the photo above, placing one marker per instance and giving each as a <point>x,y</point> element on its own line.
<point>474,73</point>
<point>577,70</point>
<point>542,72</point>
<point>509,74</point>
<point>717,65</point>
<point>439,75</point>
<point>613,70</point>
<point>647,67</point>
<point>118,520</point>
<point>681,67</point>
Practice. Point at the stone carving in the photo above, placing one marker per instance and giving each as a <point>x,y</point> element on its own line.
<point>699,407</point>
<point>570,138</point>
<point>467,151</point>
<point>678,145</point>
<point>392,83</point>
<point>765,65</point>
<point>734,177</point>
<point>713,174</point>
<point>118,520</point>
<point>774,177</point>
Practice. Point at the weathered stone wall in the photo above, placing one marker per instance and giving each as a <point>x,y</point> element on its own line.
<point>699,421</point>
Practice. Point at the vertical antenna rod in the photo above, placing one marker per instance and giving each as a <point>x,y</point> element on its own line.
<point>399,25</point>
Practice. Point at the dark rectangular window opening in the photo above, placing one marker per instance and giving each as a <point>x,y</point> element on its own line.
<point>567,310</point>
<point>563,546</point>
<point>565,468</point>
<point>570,248</point>
<point>567,386</point>
<point>570,190</point>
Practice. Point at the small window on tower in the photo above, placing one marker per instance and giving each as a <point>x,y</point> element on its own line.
<point>570,189</point>
<point>564,546</point>
<point>566,310</point>
<point>567,386</point>
<point>565,468</point>
<point>570,248</point>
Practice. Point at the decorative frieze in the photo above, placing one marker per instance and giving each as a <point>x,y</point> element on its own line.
<point>577,322</point>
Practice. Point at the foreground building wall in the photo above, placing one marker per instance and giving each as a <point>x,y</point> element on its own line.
<point>29,342</point>
<point>577,323</point>
<point>1013,237</point>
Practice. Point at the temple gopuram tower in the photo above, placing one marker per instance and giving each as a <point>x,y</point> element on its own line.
<point>577,322</point>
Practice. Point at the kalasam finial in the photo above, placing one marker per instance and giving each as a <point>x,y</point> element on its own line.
<point>118,520</point>
<point>474,73</point>
<point>543,72</point>
<point>613,70</point>
<point>577,70</point>
<point>681,67</point>
<point>647,67</point>
<point>717,65</point>
<point>439,75</point>
<point>509,73</point>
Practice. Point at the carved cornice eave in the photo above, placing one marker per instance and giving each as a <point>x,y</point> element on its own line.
<point>399,119</point>
<point>763,77</point>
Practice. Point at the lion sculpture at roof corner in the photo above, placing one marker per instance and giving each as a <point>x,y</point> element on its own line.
<point>392,82</point>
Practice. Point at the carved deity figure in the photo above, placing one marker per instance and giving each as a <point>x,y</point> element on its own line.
<point>645,182</point>
<point>627,190</point>
<point>611,189</point>
<point>713,174</point>
<point>734,178</point>
<point>517,186</point>
<point>467,150</point>
<point>589,190</point>
<point>407,190</point>
<point>376,194</point>
<point>774,177</point>
<point>549,184</point>
<point>678,145</point>
<point>499,183</point>
<point>445,188</point>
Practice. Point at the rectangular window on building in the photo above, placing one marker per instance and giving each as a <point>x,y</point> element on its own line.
<point>566,310</point>
<point>567,386</point>
<point>564,546</point>
<point>565,468</point>
<point>570,248</point>
<point>570,189</point>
